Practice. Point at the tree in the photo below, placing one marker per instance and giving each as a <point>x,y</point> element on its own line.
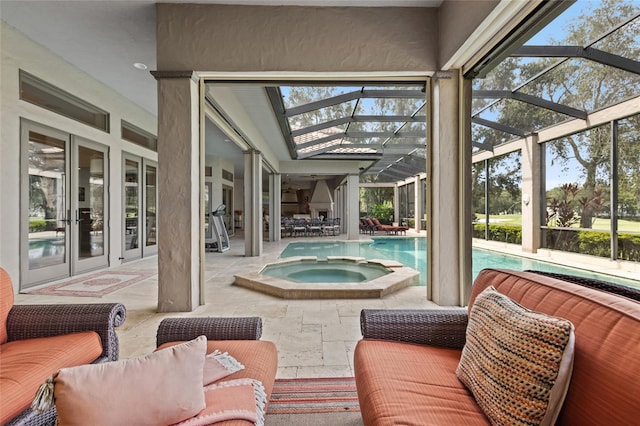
<point>578,83</point>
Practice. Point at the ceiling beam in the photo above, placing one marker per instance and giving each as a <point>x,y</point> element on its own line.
<point>533,100</point>
<point>278,108</point>
<point>497,126</point>
<point>394,174</point>
<point>591,53</point>
<point>483,145</point>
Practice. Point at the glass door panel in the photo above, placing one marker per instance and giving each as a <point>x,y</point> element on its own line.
<point>90,218</point>
<point>208,226</point>
<point>131,208</point>
<point>227,200</point>
<point>47,211</point>
<point>89,204</point>
<point>150,208</point>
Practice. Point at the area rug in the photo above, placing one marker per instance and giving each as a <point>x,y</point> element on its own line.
<point>94,285</point>
<point>320,395</point>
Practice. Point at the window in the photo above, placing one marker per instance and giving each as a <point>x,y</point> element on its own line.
<point>138,136</point>
<point>43,94</point>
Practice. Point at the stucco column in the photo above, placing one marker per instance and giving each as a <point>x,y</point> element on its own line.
<point>449,267</point>
<point>180,181</point>
<point>252,203</point>
<point>275,200</point>
<point>353,207</point>
<point>531,194</point>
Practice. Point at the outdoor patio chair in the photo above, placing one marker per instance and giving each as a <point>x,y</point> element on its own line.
<point>299,228</point>
<point>315,227</point>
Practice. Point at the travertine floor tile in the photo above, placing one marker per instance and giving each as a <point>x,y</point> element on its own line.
<point>315,338</point>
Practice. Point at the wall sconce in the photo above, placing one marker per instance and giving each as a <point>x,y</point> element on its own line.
<point>525,199</point>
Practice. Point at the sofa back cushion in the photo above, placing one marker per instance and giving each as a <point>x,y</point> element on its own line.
<point>6,303</point>
<point>604,387</point>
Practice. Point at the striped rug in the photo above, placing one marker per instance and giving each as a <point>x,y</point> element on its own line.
<point>320,395</point>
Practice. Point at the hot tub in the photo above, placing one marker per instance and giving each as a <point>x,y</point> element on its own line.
<point>308,277</point>
<point>326,271</point>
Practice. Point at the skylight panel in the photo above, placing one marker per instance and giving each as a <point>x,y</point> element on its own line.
<point>606,85</point>
<point>347,150</point>
<point>321,115</point>
<point>319,146</point>
<point>389,106</point>
<point>293,96</point>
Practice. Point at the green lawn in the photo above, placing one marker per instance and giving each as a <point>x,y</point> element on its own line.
<point>599,224</point>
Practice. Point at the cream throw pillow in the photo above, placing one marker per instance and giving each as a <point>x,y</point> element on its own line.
<point>517,363</point>
<point>162,388</point>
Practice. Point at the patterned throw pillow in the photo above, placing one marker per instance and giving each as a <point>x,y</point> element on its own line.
<point>517,363</point>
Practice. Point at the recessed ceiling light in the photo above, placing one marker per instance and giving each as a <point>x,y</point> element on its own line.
<point>140,66</point>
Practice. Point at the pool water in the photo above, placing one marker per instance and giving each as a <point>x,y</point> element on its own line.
<point>411,252</point>
<point>322,271</point>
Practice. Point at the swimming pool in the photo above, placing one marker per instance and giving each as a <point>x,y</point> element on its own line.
<point>411,251</point>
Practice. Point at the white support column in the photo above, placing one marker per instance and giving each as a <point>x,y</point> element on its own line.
<point>252,203</point>
<point>396,205</point>
<point>180,185</point>
<point>275,203</point>
<point>337,207</point>
<point>353,207</point>
<point>417,204</point>
<point>449,253</point>
<point>531,194</point>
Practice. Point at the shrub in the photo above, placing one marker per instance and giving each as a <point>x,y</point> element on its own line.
<point>505,233</point>
<point>629,247</point>
<point>37,225</point>
<point>593,243</point>
<point>383,213</point>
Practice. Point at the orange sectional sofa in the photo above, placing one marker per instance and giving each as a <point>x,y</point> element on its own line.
<point>405,365</point>
<point>38,340</point>
<point>237,336</point>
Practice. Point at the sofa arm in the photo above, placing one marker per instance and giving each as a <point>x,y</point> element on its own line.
<point>442,327</point>
<point>214,328</point>
<point>32,321</point>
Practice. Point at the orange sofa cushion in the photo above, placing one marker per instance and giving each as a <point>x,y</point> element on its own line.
<point>6,303</point>
<point>26,364</point>
<point>259,357</point>
<point>406,383</point>
<point>604,383</point>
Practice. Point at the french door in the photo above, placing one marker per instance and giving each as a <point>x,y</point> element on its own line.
<point>63,204</point>
<point>139,205</point>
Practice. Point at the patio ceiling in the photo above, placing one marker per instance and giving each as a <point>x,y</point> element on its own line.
<point>383,122</point>
<point>540,83</point>
<point>536,86</point>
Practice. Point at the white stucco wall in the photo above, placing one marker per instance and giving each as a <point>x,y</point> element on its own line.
<point>19,52</point>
